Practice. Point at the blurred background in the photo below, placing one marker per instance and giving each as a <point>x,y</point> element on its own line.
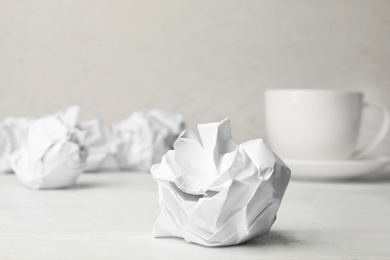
<point>207,60</point>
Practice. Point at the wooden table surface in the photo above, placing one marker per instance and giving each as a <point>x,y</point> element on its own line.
<point>110,215</point>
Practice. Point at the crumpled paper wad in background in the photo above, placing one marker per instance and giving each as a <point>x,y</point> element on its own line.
<point>11,131</point>
<point>96,142</point>
<point>143,138</point>
<point>218,193</point>
<point>52,153</point>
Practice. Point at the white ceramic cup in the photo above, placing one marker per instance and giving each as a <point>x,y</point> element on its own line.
<point>304,124</point>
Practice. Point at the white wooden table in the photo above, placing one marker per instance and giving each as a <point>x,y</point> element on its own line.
<point>110,215</point>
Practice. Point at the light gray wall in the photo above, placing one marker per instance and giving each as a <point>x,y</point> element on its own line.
<point>205,59</point>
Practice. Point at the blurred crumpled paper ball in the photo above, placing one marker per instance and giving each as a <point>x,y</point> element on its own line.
<point>143,138</point>
<point>11,130</point>
<point>52,153</point>
<point>96,142</point>
<point>218,193</point>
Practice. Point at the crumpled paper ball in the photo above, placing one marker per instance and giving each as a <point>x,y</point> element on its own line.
<point>11,131</point>
<point>143,138</point>
<point>218,193</point>
<point>96,141</point>
<point>5,149</point>
<point>52,153</point>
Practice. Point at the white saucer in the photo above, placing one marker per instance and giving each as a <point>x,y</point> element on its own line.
<point>335,170</point>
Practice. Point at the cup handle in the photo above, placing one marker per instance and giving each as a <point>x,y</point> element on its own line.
<point>382,133</point>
